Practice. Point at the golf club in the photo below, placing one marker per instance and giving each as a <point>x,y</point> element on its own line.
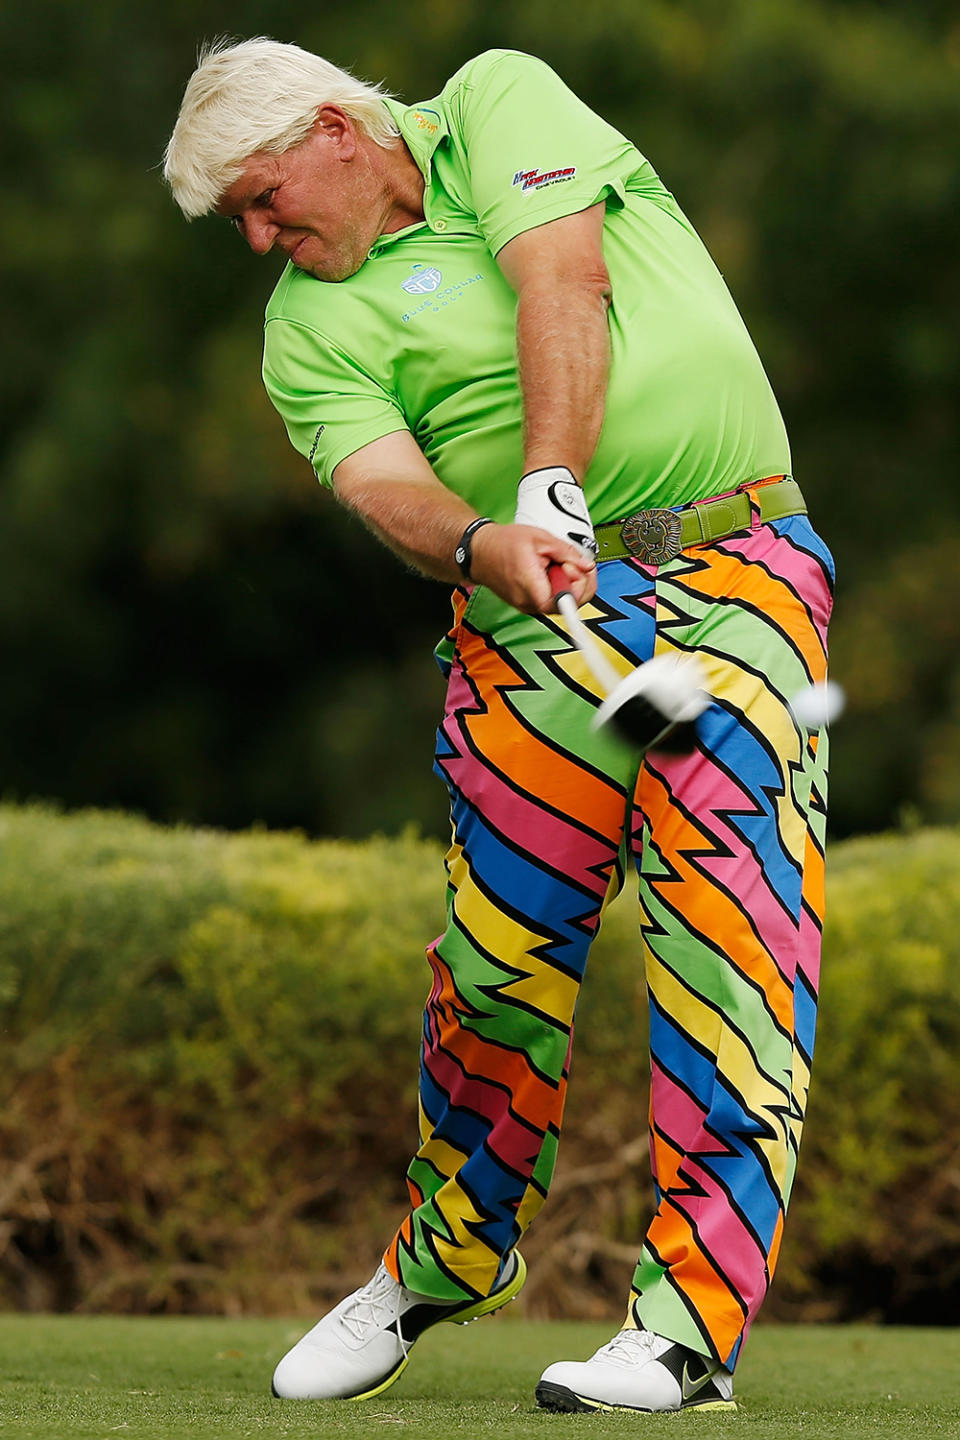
<point>655,707</point>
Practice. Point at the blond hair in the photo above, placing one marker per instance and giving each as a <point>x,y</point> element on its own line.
<point>258,95</point>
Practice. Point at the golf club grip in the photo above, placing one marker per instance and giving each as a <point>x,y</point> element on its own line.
<point>558,581</point>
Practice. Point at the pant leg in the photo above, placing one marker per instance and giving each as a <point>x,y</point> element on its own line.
<point>539,803</point>
<point>729,844</point>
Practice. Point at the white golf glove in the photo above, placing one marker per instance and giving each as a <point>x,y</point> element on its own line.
<point>552,500</point>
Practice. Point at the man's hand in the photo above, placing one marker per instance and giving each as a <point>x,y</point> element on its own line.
<point>512,561</point>
<point>550,499</point>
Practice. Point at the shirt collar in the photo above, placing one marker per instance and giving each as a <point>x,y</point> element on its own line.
<point>422,127</point>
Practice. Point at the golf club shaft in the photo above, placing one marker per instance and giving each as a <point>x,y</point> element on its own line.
<point>603,672</point>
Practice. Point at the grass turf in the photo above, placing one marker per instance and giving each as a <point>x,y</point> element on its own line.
<point>97,1378</point>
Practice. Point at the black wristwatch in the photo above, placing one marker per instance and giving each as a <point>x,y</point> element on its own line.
<point>462,554</point>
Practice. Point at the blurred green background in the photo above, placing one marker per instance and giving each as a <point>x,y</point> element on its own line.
<point>169,569</point>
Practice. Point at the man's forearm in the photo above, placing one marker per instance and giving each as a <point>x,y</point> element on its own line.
<point>392,488</point>
<point>420,521</point>
<point>563,349</point>
<point>563,339</point>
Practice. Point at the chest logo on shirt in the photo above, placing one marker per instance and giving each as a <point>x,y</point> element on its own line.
<point>423,280</point>
<point>538,180</point>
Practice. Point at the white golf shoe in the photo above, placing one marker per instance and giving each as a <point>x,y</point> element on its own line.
<point>362,1345</point>
<point>637,1370</point>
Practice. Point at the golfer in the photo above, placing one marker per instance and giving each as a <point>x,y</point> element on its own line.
<point>500,342</point>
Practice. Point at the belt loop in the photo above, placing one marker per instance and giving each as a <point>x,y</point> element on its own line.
<point>699,508</point>
<point>752,490</point>
<point>753,500</point>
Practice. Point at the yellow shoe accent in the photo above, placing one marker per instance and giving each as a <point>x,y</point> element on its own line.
<point>463,1316</point>
<point>384,1384</point>
<point>499,1298</point>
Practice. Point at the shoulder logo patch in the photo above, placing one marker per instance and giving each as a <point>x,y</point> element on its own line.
<point>427,120</point>
<point>537,179</point>
<point>423,280</point>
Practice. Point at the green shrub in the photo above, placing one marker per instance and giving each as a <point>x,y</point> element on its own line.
<point>876,1220</point>
<point>208,1094</point>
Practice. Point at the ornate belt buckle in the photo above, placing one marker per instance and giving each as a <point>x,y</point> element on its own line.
<point>652,536</point>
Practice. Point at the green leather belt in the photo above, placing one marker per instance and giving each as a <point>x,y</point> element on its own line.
<point>655,536</point>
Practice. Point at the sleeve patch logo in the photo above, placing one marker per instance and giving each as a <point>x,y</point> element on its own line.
<point>537,180</point>
<point>316,442</point>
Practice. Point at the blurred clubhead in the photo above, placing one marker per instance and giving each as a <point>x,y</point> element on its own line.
<point>656,706</point>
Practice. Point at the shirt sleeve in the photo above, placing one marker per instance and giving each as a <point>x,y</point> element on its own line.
<point>533,150</point>
<point>328,403</point>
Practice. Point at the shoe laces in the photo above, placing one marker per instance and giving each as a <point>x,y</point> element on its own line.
<point>630,1347</point>
<point>375,1307</point>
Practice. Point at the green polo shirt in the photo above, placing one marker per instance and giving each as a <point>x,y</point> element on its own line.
<point>422,337</point>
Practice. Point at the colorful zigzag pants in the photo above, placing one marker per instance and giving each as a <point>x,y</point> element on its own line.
<point>728,844</point>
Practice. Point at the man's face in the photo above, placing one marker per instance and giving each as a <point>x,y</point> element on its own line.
<point>320,203</point>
